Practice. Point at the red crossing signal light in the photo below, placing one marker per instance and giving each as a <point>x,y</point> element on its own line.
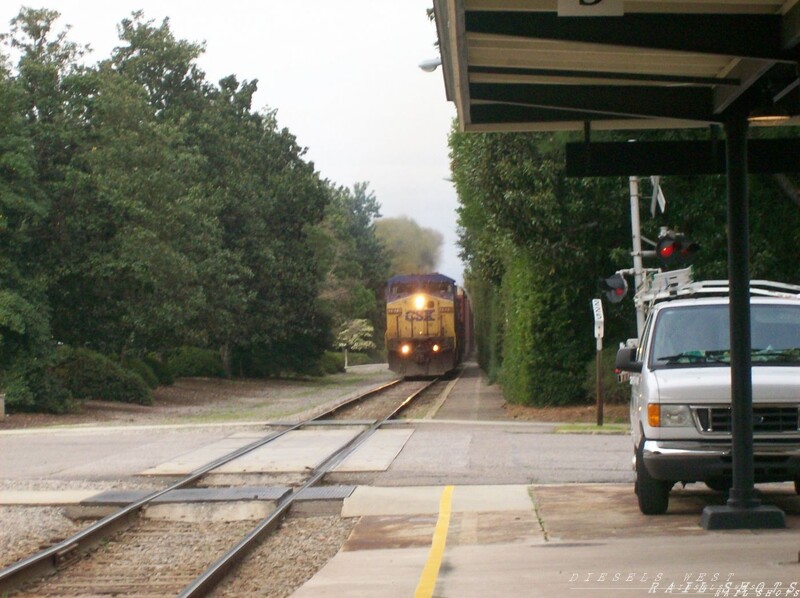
<point>675,248</point>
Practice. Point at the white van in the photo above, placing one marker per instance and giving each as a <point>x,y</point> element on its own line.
<point>681,389</point>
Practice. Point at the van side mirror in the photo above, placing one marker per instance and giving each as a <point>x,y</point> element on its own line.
<point>626,361</point>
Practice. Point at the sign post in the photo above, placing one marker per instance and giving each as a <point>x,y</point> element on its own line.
<point>597,308</point>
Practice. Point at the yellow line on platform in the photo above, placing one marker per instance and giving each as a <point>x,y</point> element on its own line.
<point>427,582</point>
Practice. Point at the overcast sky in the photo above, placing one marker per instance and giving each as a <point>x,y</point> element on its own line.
<point>343,76</point>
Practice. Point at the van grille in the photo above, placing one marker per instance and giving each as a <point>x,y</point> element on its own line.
<point>765,419</point>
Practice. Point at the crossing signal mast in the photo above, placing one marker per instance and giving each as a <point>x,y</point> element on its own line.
<point>672,248</point>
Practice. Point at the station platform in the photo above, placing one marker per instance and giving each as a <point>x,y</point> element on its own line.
<point>479,541</point>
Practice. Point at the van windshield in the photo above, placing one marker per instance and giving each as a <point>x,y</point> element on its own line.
<point>700,336</point>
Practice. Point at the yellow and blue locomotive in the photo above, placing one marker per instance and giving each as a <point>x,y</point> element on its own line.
<point>425,324</point>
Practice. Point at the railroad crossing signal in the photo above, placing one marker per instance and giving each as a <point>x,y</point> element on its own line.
<point>615,287</point>
<point>675,248</point>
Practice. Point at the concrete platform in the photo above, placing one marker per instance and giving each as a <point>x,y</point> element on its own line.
<point>553,540</point>
<point>372,500</point>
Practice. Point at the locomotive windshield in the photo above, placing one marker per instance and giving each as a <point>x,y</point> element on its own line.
<point>403,289</point>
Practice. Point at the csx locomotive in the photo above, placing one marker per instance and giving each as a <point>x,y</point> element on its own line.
<point>428,324</point>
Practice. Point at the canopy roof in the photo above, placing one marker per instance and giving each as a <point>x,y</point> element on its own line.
<point>519,65</point>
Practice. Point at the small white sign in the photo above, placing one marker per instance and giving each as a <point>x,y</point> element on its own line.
<point>597,308</point>
<point>591,8</point>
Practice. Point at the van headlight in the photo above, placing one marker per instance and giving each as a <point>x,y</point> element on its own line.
<point>669,416</point>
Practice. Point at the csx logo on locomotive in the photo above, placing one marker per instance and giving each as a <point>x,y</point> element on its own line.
<point>422,315</point>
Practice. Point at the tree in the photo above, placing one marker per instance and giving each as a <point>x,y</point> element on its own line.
<point>271,225</point>
<point>26,350</point>
<point>30,115</point>
<point>355,335</point>
<point>262,196</point>
<point>144,208</point>
<point>537,242</point>
<point>162,65</point>
<point>533,236</point>
<point>412,249</point>
<point>139,231</point>
<point>353,259</point>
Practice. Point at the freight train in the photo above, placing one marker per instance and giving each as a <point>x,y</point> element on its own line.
<point>428,324</point>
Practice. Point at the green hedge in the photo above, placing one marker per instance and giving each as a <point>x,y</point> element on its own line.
<point>90,375</point>
<point>195,362</point>
<point>544,348</point>
<point>613,391</point>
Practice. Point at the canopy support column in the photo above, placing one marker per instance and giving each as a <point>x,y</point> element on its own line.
<point>743,509</point>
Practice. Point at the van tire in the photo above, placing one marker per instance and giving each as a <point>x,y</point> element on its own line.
<point>653,495</point>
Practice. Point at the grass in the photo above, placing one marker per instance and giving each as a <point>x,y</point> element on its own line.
<point>612,428</point>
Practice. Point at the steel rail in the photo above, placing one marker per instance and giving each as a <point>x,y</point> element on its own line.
<point>48,560</point>
<point>209,579</point>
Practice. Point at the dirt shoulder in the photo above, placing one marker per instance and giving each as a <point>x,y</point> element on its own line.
<point>613,413</point>
<point>207,400</point>
<point>211,400</point>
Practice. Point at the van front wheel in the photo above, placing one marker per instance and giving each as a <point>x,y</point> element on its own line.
<point>653,494</point>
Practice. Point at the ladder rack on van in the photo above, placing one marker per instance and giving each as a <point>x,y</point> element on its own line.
<point>662,286</point>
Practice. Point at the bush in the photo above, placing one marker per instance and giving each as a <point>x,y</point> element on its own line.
<point>90,375</point>
<point>377,356</point>
<point>332,363</point>
<point>31,388</point>
<point>613,391</point>
<point>297,356</point>
<point>161,369</point>
<point>195,362</point>
<point>144,371</point>
<point>329,363</point>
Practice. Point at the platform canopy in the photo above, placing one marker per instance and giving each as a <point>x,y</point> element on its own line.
<point>527,65</point>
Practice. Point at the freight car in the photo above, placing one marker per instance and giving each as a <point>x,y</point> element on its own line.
<point>428,324</point>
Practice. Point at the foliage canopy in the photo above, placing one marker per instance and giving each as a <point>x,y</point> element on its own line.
<point>144,209</point>
<point>536,243</point>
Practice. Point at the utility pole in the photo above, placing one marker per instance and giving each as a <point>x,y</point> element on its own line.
<point>636,234</point>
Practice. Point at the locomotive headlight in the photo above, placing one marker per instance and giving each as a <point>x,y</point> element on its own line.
<point>405,349</point>
<point>419,301</point>
<point>435,348</point>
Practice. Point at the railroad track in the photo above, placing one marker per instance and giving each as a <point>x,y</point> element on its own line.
<point>137,561</point>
